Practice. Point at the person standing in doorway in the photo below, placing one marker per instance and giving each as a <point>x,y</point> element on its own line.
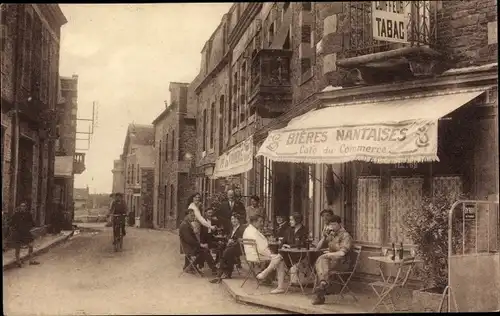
<point>228,208</point>
<point>21,225</point>
<point>254,208</point>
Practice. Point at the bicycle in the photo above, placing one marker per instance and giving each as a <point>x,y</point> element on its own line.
<point>118,220</point>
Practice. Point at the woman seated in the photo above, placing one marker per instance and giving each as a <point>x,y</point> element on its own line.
<point>232,252</point>
<point>296,236</point>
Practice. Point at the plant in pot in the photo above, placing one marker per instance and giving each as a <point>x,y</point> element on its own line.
<point>427,226</point>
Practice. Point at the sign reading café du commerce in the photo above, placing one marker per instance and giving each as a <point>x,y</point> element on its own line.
<point>237,160</point>
<point>413,141</point>
<point>389,21</point>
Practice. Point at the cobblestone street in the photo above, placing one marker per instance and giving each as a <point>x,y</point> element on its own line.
<point>84,276</point>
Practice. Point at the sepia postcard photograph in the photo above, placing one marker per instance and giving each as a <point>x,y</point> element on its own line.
<point>250,158</point>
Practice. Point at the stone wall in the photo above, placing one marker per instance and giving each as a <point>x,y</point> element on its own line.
<point>146,202</point>
<point>463,31</point>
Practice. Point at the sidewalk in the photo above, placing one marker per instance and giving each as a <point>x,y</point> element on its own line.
<point>296,302</point>
<point>41,245</point>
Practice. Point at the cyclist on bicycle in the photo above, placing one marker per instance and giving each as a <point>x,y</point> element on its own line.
<point>118,207</point>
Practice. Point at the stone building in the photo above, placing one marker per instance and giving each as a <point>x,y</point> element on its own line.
<point>30,35</point>
<point>175,145</point>
<point>138,159</point>
<point>118,176</point>
<point>297,65</point>
<point>67,161</point>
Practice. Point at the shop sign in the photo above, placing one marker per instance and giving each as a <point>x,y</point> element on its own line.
<point>63,166</point>
<point>237,160</point>
<point>389,21</point>
<point>412,141</point>
<point>470,213</point>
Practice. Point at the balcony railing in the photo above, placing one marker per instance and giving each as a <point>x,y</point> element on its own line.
<point>79,163</point>
<point>420,30</point>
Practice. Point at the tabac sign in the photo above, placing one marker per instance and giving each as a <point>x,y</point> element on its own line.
<point>414,141</point>
<point>389,21</point>
<point>237,160</point>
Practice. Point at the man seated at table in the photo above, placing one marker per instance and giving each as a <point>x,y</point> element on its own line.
<point>295,236</point>
<point>339,243</point>
<point>282,227</point>
<point>232,250</point>
<point>206,234</point>
<point>192,246</point>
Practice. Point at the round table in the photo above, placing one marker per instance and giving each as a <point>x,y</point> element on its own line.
<point>295,256</point>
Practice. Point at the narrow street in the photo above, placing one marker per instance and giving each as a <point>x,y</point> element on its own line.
<point>85,277</point>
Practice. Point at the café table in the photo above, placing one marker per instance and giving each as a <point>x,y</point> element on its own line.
<point>298,256</point>
<point>220,241</point>
<point>389,283</point>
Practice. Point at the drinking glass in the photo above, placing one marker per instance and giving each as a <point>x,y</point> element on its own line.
<point>413,252</point>
<point>385,252</point>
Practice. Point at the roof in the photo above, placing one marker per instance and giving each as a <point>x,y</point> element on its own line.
<point>164,113</point>
<point>80,194</point>
<point>143,135</point>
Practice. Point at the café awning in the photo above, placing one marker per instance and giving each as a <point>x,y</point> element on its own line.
<point>236,160</point>
<point>395,131</point>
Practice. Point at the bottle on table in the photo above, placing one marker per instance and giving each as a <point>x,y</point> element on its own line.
<point>401,252</point>
<point>393,255</point>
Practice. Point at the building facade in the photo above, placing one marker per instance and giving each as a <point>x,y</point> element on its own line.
<point>283,60</point>
<point>118,176</point>
<point>30,77</point>
<point>138,159</point>
<point>175,145</point>
<point>67,161</point>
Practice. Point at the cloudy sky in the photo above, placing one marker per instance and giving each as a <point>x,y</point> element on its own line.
<point>125,56</point>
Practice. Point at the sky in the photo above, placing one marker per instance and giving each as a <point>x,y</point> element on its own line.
<point>125,56</point>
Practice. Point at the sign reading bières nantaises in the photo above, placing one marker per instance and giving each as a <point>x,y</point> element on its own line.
<point>389,21</point>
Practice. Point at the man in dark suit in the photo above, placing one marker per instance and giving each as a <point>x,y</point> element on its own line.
<point>281,230</point>
<point>229,207</point>
<point>232,251</point>
<point>191,245</point>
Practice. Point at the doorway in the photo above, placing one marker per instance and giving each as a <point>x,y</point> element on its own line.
<point>25,175</point>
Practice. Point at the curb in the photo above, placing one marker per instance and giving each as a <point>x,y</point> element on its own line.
<point>39,251</point>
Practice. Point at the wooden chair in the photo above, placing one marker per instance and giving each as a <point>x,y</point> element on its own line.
<point>191,264</point>
<point>252,259</point>
<point>342,278</point>
<point>386,288</point>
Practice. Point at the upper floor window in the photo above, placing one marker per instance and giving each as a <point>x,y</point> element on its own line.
<point>306,6</point>
<point>286,5</point>
<point>204,130</point>
<point>270,34</point>
<point>212,124</point>
<point>414,27</point>
<point>173,144</point>
<point>166,148</point>
<point>138,174</point>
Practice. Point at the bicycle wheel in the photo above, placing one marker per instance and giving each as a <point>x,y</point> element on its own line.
<point>121,243</point>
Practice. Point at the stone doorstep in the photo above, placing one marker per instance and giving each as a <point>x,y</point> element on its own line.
<point>290,302</point>
<point>43,244</point>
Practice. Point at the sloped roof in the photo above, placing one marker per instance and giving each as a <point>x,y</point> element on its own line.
<point>80,194</point>
<point>142,135</point>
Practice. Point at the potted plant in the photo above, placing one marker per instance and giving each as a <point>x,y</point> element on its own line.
<point>427,226</point>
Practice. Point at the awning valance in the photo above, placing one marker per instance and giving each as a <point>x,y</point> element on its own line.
<point>237,160</point>
<point>396,131</point>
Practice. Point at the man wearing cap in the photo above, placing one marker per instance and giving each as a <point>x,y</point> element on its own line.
<point>118,207</point>
<point>339,243</point>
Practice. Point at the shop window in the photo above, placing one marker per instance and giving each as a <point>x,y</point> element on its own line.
<point>368,213</point>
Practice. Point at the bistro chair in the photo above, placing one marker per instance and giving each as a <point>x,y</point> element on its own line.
<point>385,289</point>
<point>252,259</point>
<point>342,278</point>
<point>191,263</point>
